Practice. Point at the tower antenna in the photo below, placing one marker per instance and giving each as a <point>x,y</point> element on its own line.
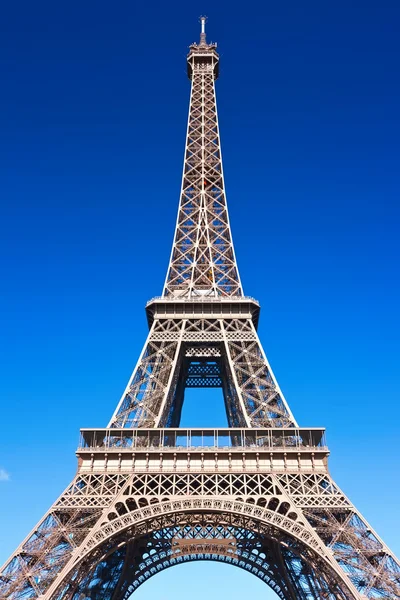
<point>203,31</point>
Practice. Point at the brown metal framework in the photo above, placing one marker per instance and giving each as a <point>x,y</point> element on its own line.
<point>148,494</point>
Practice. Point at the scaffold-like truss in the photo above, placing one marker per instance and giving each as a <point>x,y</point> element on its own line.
<point>149,494</point>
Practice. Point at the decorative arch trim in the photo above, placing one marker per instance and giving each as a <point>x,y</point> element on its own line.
<point>151,511</point>
<point>215,505</point>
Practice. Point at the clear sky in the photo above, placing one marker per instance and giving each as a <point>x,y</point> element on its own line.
<point>93,113</point>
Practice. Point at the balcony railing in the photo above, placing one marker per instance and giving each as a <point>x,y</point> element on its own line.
<point>202,439</point>
<point>204,299</point>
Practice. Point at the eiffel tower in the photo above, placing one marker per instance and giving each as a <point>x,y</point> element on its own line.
<point>148,494</point>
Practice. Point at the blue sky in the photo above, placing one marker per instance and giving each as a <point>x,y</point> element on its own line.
<point>93,116</point>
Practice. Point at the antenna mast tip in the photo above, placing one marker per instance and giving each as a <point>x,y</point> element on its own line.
<point>203,20</point>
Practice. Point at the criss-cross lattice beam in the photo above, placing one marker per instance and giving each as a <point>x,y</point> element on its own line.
<point>308,525</point>
<point>203,259</point>
<point>258,496</point>
<point>154,395</point>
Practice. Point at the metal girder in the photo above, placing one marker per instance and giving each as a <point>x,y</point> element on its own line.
<point>307,545</point>
<point>252,395</point>
<point>149,495</point>
<point>202,260</point>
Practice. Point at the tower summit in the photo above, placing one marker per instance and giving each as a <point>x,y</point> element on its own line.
<point>203,53</point>
<point>149,494</point>
<point>203,31</point>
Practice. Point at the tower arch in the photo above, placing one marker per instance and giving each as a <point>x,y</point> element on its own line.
<point>150,539</point>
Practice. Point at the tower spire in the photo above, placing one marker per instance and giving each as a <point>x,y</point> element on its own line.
<point>203,262</point>
<point>203,41</point>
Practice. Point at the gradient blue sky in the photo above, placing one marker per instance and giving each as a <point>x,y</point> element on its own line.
<point>93,115</point>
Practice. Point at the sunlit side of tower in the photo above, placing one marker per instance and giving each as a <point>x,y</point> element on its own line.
<point>149,494</point>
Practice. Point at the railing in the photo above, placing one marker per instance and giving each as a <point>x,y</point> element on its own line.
<point>203,299</point>
<point>202,439</point>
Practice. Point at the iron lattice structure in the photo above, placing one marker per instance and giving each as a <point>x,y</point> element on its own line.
<point>149,495</point>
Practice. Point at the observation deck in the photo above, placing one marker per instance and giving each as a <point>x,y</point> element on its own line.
<point>203,55</point>
<point>277,450</point>
<point>203,306</point>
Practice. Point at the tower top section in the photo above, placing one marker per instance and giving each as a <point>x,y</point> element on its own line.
<point>202,263</point>
<point>203,56</point>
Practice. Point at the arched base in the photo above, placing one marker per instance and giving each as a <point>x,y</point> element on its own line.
<point>115,565</point>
